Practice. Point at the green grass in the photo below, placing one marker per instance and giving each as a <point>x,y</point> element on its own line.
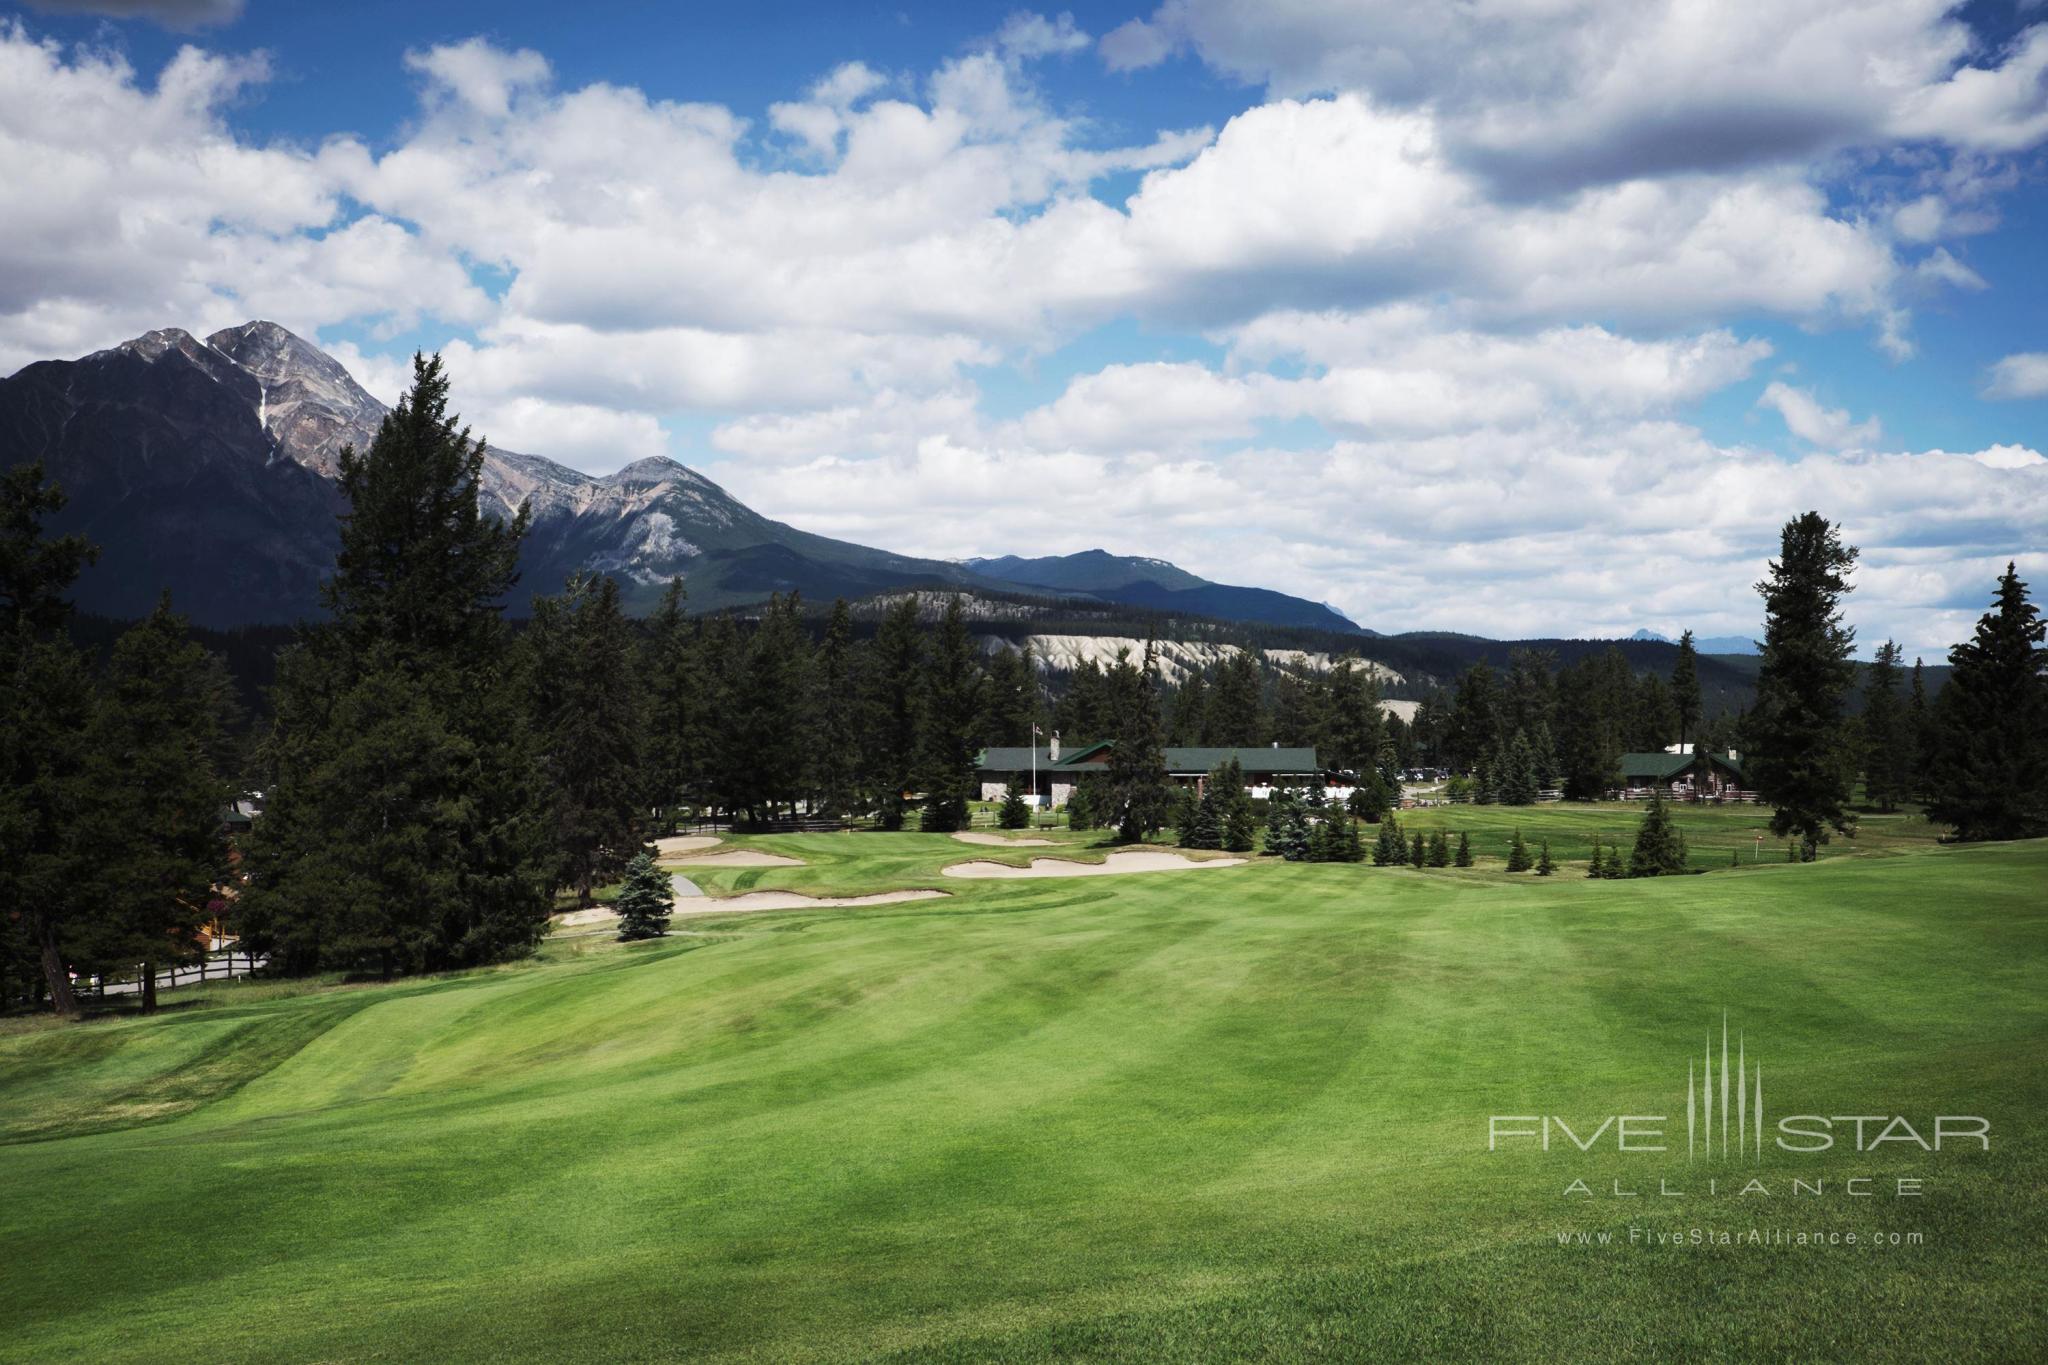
<point>1221,1114</point>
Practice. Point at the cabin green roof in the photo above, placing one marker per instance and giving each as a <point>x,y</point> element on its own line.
<point>1255,761</point>
<point>1660,767</point>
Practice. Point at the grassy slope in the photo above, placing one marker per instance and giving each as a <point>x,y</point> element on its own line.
<point>1228,1112</point>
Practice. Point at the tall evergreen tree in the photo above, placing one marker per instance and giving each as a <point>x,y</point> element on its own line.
<point>1190,711</point>
<point>1923,734</point>
<point>952,723</point>
<point>156,784</point>
<point>1463,857</point>
<point>675,716</point>
<point>404,828</point>
<point>1236,708</point>
<point>44,712</point>
<point>835,709</point>
<point>893,710</point>
<point>1012,696</point>
<point>1685,690</point>
<point>1990,777</point>
<point>1140,800</point>
<point>1234,805</point>
<point>589,716</point>
<point>1801,763</point>
<point>1887,745</point>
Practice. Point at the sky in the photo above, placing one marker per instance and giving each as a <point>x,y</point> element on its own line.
<point>1514,317</point>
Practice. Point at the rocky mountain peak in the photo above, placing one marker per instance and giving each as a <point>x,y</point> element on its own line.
<point>309,404</point>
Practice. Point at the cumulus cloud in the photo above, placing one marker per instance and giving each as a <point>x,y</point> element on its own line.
<point>2024,375</point>
<point>1807,419</point>
<point>1457,284</point>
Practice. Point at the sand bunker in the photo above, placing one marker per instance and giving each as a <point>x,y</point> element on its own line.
<point>791,900</point>
<point>738,857</point>
<point>678,844</point>
<point>695,902</point>
<point>1114,865</point>
<point>1003,841</point>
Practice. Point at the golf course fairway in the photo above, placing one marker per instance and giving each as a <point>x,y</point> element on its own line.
<point>1243,1114</point>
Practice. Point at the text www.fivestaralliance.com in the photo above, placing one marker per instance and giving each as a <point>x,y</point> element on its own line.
<point>1763,1239</point>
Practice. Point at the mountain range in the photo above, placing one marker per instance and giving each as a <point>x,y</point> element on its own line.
<point>1707,644</point>
<point>208,468</point>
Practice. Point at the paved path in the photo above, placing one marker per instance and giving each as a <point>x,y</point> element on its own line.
<point>218,968</point>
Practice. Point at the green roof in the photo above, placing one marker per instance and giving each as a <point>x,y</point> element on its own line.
<point>1254,761</point>
<point>1301,762</point>
<point>1660,767</point>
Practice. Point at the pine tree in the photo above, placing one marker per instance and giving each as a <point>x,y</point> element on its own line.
<point>1348,847</point>
<point>1612,869</point>
<point>1418,851</point>
<point>674,743</point>
<point>1206,829</point>
<point>1990,777</point>
<point>1801,763</point>
<point>1013,813</point>
<point>1369,800</point>
<point>835,694</point>
<point>1545,866</point>
<point>645,901</point>
<point>1517,780</point>
<point>1012,697</point>
<point>891,712</point>
<point>1887,751</point>
<point>1236,713</point>
<point>1440,849</point>
<point>1660,847</point>
<point>1518,854</point>
<point>1240,824</point>
<point>589,717</point>
<point>1190,710</point>
<point>404,829</point>
<point>1923,735</point>
<point>157,753</point>
<point>1140,798</point>
<point>1390,850</point>
<point>1463,858</point>
<point>1287,830</point>
<point>1685,690</point>
<point>952,714</point>
<point>44,711</point>
<point>1598,866</point>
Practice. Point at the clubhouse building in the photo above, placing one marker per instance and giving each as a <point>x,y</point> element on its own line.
<point>1057,772</point>
<point>1685,775</point>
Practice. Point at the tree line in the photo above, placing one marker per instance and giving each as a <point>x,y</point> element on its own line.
<point>435,778</point>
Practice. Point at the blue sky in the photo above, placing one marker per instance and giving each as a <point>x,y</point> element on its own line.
<point>1454,317</point>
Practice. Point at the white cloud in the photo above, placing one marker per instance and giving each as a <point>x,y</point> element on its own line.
<point>1807,419</point>
<point>1547,95</point>
<point>2024,375</point>
<point>1446,392</point>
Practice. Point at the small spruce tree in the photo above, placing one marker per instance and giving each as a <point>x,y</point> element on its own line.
<point>645,901</point>
<point>1440,849</point>
<point>1418,851</point>
<point>1463,857</point>
<point>1598,867</point>
<point>1013,813</point>
<point>1518,854</point>
<point>1545,865</point>
<point>1389,850</point>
